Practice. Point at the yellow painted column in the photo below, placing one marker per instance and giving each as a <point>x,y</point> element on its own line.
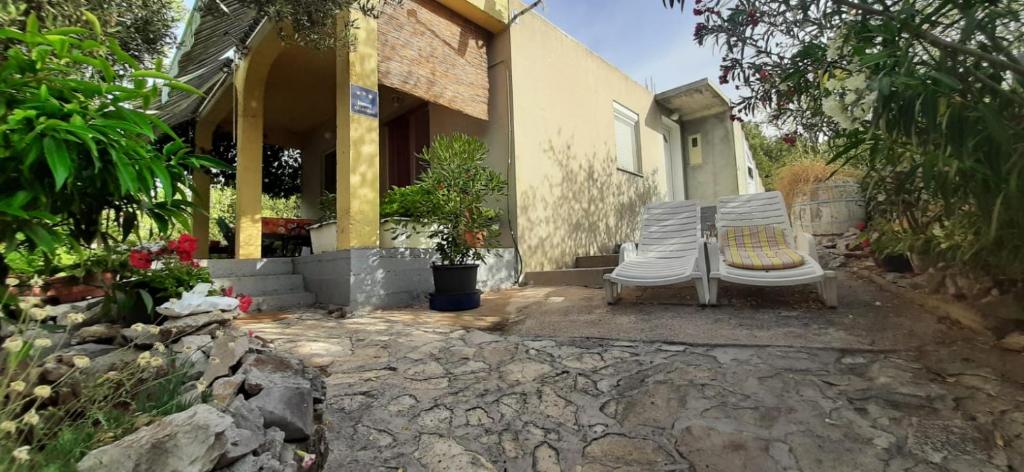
<point>201,193</point>
<point>250,84</point>
<point>358,137</point>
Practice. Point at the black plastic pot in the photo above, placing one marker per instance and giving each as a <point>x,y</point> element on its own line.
<point>453,279</point>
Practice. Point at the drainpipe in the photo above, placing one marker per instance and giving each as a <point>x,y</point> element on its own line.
<point>508,169</point>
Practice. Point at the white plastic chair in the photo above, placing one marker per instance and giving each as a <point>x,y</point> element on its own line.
<point>671,251</point>
<point>767,208</point>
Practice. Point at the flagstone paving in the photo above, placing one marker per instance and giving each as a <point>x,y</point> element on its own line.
<point>416,397</point>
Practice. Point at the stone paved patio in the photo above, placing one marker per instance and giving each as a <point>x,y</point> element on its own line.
<point>431,396</point>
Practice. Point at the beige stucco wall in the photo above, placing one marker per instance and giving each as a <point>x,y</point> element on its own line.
<point>717,175</point>
<point>571,198</point>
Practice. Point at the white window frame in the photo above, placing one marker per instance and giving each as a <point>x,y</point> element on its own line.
<point>630,118</point>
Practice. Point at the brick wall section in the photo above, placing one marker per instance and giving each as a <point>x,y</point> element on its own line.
<point>433,53</point>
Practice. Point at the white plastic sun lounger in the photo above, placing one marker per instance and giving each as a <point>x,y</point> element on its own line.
<point>670,252</point>
<point>767,209</point>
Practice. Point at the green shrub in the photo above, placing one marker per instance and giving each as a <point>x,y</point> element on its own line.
<point>406,202</point>
<point>451,198</point>
<point>79,153</point>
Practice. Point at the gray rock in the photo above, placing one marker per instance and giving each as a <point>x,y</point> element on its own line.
<point>246,415</point>
<point>289,408</point>
<point>91,314</point>
<point>190,441</point>
<point>224,389</point>
<point>1013,341</point>
<point>438,454</point>
<point>192,343</point>
<point>110,362</point>
<point>141,339</point>
<point>261,463</point>
<point>102,333</point>
<point>273,442</point>
<point>92,351</point>
<point>711,449</point>
<point>264,370</point>
<point>188,324</point>
<point>616,450</point>
<point>62,311</point>
<point>545,459</point>
<point>248,434</point>
<point>53,371</point>
<point>227,350</point>
<point>475,337</point>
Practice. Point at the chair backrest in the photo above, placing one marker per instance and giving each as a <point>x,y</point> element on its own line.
<point>670,230</point>
<point>766,208</point>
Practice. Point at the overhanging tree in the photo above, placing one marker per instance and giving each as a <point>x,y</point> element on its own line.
<point>927,94</point>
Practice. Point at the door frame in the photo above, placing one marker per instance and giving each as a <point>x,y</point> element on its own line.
<point>675,179</point>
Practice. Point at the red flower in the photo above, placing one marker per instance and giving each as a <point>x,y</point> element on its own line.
<point>229,292</point>
<point>185,246</point>
<point>140,259</point>
<point>252,333</point>
<point>244,303</point>
<point>789,139</point>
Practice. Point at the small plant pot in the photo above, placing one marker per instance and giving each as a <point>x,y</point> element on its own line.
<point>451,279</point>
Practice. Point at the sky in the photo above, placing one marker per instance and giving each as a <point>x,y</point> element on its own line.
<point>640,37</point>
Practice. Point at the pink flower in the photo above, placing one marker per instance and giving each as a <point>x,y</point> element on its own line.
<point>308,460</point>
<point>229,292</point>
<point>252,333</point>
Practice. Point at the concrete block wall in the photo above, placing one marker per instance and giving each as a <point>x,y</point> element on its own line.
<point>326,275</point>
<point>366,279</point>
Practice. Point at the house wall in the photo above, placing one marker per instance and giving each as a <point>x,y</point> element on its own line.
<point>571,199</point>
<point>718,174</point>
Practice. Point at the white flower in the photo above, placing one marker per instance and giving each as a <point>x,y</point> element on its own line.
<point>200,386</point>
<point>42,342</point>
<point>13,344</point>
<point>30,418</point>
<point>153,329</point>
<point>834,107</point>
<point>144,358</point>
<point>159,347</point>
<point>156,362</point>
<point>75,318</point>
<point>856,82</point>
<point>138,327</point>
<point>42,391</point>
<point>11,281</point>
<point>17,386</point>
<point>835,48</point>
<point>20,454</point>
<point>37,314</point>
<point>81,361</point>
<point>36,281</point>
<point>8,427</point>
<point>833,85</point>
<point>188,348</point>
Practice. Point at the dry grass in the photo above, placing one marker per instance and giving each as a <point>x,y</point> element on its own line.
<point>800,174</point>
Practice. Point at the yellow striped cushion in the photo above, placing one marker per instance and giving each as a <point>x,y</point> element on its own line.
<point>760,247</point>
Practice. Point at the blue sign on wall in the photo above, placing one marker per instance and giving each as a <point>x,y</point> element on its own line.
<point>364,101</point>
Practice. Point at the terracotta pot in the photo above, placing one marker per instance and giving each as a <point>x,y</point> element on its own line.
<point>475,240</point>
<point>68,288</point>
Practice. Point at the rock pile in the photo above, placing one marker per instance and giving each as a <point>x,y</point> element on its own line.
<point>259,414</point>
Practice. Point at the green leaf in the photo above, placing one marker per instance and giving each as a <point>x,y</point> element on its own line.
<point>147,299</point>
<point>151,74</point>
<point>57,158</point>
<point>183,87</point>
<point>94,22</point>
<point>947,80</point>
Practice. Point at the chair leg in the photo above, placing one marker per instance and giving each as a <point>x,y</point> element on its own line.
<point>828,289</point>
<point>702,290</point>
<point>612,292</point>
<point>712,291</point>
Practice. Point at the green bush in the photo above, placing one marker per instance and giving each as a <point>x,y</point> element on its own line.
<point>451,198</point>
<point>79,154</point>
<point>406,202</point>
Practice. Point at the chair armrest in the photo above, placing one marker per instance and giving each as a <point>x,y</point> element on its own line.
<point>714,255</point>
<point>805,243</point>
<point>627,251</point>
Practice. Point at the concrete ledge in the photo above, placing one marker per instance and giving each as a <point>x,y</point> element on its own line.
<point>326,276</point>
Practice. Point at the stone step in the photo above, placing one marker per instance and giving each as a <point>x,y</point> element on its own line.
<point>261,285</point>
<point>602,260</point>
<point>226,268</point>
<point>587,277</point>
<point>283,301</point>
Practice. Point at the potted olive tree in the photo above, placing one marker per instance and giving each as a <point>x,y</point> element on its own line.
<point>454,193</point>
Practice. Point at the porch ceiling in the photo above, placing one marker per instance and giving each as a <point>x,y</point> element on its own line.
<point>300,92</point>
<point>694,100</point>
